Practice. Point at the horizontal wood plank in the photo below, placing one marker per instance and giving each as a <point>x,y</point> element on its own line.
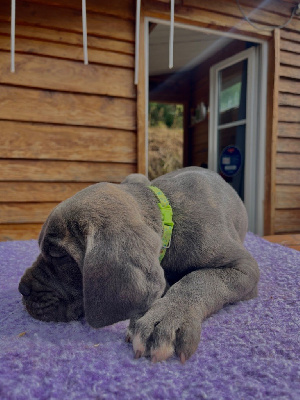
<point>289,114</point>
<point>68,76</point>
<point>287,99</point>
<point>287,221</point>
<point>61,36</point>
<point>38,191</point>
<point>122,9</point>
<point>290,58</point>
<point>289,130</point>
<point>65,51</point>
<point>290,240</point>
<point>287,45</point>
<point>19,231</point>
<point>66,108</point>
<point>290,35</point>
<point>288,145</point>
<point>60,142</point>
<point>287,176</point>
<point>23,213</point>
<point>287,160</point>
<point>287,196</point>
<point>63,171</point>
<point>289,72</point>
<point>69,19</point>
<point>289,86</point>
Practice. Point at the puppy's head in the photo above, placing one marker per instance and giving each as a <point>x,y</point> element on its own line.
<point>98,258</point>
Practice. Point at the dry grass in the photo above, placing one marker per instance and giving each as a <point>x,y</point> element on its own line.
<point>165,150</point>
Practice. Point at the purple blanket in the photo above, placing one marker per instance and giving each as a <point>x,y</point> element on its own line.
<point>250,350</point>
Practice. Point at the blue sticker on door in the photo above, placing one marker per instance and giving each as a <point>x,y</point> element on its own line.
<point>230,161</point>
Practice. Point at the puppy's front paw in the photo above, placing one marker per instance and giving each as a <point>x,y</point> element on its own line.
<point>164,330</point>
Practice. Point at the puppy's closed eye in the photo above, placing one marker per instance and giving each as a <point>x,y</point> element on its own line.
<point>57,253</point>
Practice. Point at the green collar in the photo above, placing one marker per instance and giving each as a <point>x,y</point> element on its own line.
<point>166,216</point>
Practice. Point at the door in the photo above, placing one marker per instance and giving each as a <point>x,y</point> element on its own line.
<point>233,125</point>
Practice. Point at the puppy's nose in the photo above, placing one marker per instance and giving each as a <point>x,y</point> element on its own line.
<point>24,289</point>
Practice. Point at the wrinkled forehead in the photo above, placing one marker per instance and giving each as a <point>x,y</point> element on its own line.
<point>53,230</point>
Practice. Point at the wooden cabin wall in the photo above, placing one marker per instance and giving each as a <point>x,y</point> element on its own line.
<point>200,93</point>
<point>63,125</point>
<point>287,181</point>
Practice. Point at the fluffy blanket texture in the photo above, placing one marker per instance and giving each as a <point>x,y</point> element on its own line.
<point>249,350</point>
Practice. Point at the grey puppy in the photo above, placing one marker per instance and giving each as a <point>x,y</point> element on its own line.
<point>100,258</point>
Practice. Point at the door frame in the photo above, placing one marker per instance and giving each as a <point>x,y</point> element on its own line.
<point>263,49</point>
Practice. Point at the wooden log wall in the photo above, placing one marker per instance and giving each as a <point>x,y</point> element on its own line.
<point>287,181</point>
<point>63,125</point>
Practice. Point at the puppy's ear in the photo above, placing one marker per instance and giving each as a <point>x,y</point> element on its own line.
<point>121,274</point>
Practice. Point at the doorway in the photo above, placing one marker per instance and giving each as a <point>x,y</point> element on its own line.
<point>213,78</point>
<point>165,138</point>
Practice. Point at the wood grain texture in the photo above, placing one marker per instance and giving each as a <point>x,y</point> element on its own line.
<point>64,37</point>
<point>120,8</point>
<point>290,72</point>
<point>288,145</point>
<point>23,192</point>
<point>288,130</point>
<point>66,51</point>
<point>59,142</point>
<point>289,86</point>
<point>22,213</point>
<point>19,231</point>
<point>291,241</point>
<point>69,19</point>
<point>289,114</point>
<point>287,221</point>
<point>288,160</point>
<point>287,177</point>
<point>287,196</point>
<point>290,35</point>
<point>271,136</point>
<point>67,76</point>
<point>66,108</point>
<point>63,171</point>
<point>286,99</point>
<point>254,10</point>
<point>290,58</point>
<point>287,45</point>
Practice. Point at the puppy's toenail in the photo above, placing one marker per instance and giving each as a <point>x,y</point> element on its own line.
<point>138,354</point>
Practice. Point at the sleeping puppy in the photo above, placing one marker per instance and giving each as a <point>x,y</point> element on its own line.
<point>100,259</point>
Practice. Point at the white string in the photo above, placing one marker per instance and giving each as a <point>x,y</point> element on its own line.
<point>84,33</point>
<point>137,41</point>
<point>266,28</point>
<point>12,35</point>
<point>171,38</point>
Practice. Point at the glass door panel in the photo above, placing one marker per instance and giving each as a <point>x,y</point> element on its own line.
<point>233,93</point>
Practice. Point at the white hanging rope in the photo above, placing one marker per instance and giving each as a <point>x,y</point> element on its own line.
<point>12,35</point>
<point>84,33</point>
<point>137,40</point>
<point>171,39</point>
